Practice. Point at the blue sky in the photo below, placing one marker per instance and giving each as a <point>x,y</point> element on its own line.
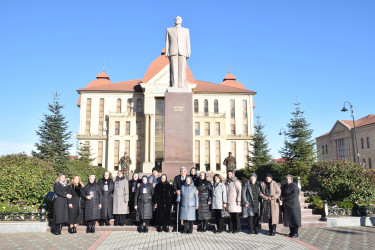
<point>320,53</point>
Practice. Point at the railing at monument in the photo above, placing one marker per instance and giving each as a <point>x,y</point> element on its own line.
<point>91,136</point>
<point>240,137</point>
<point>25,216</point>
<point>209,114</point>
<point>123,114</point>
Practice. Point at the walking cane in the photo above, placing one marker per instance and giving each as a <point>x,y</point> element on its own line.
<point>178,212</point>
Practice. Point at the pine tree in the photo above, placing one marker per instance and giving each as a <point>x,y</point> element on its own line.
<point>53,142</point>
<point>84,153</point>
<point>299,148</point>
<point>260,153</point>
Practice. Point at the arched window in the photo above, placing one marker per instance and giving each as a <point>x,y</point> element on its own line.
<point>129,106</point>
<point>196,107</point>
<point>206,107</point>
<point>139,105</point>
<point>216,106</point>
<point>118,108</point>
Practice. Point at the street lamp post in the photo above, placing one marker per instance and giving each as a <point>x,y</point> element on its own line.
<point>283,132</point>
<point>344,109</point>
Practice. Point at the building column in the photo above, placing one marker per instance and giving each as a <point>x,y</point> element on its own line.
<point>147,136</point>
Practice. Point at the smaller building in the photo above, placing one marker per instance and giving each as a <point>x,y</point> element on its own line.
<point>339,144</point>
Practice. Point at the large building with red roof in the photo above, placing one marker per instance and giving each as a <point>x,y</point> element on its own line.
<point>128,117</point>
<point>339,143</point>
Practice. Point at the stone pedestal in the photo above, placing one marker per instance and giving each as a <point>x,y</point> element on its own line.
<point>178,133</point>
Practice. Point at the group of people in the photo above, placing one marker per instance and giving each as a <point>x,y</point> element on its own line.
<point>149,200</point>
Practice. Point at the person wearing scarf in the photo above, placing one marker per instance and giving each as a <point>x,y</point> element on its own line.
<point>93,196</point>
<point>76,203</point>
<point>204,213</point>
<point>270,193</point>
<point>60,203</point>
<point>194,175</point>
<point>133,184</point>
<point>233,186</point>
<point>219,202</point>
<point>143,203</point>
<point>189,201</point>
<point>106,213</point>
<point>252,203</point>
<point>163,198</point>
<point>120,198</point>
<point>292,207</point>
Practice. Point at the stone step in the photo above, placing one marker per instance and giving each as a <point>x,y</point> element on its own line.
<point>310,217</point>
<point>307,211</point>
<point>302,199</point>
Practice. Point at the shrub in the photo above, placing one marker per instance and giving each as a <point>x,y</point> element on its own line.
<point>339,180</point>
<point>25,179</point>
<point>317,204</point>
<point>278,171</point>
<point>83,169</point>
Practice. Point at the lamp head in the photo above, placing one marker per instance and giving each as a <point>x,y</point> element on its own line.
<point>344,109</point>
<point>280,133</point>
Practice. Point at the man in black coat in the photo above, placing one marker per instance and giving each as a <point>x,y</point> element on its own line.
<point>106,213</point>
<point>292,207</point>
<point>60,204</point>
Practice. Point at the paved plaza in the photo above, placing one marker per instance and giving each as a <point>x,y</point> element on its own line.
<point>310,238</point>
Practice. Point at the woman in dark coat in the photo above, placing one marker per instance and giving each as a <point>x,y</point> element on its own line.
<point>106,213</point>
<point>93,196</point>
<point>60,203</point>
<point>143,203</point>
<point>194,175</point>
<point>76,204</point>
<point>252,203</point>
<point>292,207</point>
<point>133,184</point>
<point>204,213</point>
<point>163,198</point>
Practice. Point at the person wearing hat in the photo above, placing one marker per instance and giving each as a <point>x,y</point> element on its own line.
<point>292,207</point>
<point>120,199</point>
<point>270,193</point>
<point>233,186</point>
<point>155,177</point>
<point>143,203</point>
<point>125,163</point>
<point>252,203</point>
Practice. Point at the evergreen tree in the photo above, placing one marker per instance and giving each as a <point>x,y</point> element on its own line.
<point>53,142</point>
<point>260,153</point>
<point>299,148</point>
<point>84,153</point>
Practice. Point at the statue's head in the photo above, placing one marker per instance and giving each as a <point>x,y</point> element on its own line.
<point>178,20</point>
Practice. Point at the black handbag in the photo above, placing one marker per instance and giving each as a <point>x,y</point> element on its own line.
<point>137,215</point>
<point>51,196</point>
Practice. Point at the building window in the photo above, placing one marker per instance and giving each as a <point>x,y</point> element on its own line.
<point>127,128</point>
<point>369,163</point>
<point>138,160</point>
<point>207,152</point>
<point>129,106</point>
<point>323,149</point>
<point>197,128</point>
<point>216,106</point>
<point>246,152</point>
<point>232,109</point>
<point>245,130</point>
<point>233,129</point>
<point>368,142</point>
<point>217,128</point>
<point>116,153</point>
<point>362,143</point>
<point>326,149</point>
<point>117,128</point>
<point>233,148</point>
<point>139,105</point>
<point>88,116</point>
<point>196,106</point>
<point>207,128</point>
<point>364,162</point>
<point>118,107</point>
<point>138,124</point>
<point>127,147</point>
<point>206,107</point>
<point>341,149</point>
<point>218,156</point>
<point>244,109</point>
<point>159,128</point>
<point>100,153</point>
<point>197,153</point>
<point>101,116</point>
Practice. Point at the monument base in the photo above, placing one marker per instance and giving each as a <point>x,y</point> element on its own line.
<point>172,168</point>
<point>147,167</point>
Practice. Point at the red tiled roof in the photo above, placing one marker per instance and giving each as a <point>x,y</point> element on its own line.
<point>323,135</point>
<point>230,80</point>
<point>125,86</point>
<point>158,64</point>
<point>203,87</point>
<point>102,75</point>
<point>369,119</point>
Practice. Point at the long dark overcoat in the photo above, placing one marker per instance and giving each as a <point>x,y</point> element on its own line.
<point>92,211</point>
<point>132,189</point>
<point>107,205</point>
<point>204,188</point>
<point>292,207</point>
<point>77,202</point>
<point>247,198</point>
<point>143,199</point>
<point>60,203</point>
<point>163,197</point>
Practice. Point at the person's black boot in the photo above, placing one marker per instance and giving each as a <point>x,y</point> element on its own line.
<point>204,226</point>
<point>101,223</point>
<point>166,229</point>
<point>273,229</point>
<point>107,223</point>
<point>158,229</point>
<point>93,229</point>
<point>145,229</point>
<point>88,229</point>
<point>71,230</point>
<point>56,229</point>
<point>270,230</point>
<point>74,230</point>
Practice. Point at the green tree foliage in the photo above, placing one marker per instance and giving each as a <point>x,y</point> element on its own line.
<point>84,153</point>
<point>339,181</point>
<point>260,153</point>
<point>299,148</point>
<point>83,169</point>
<point>25,179</point>
<point>278,171</point>
<point>53,145</point>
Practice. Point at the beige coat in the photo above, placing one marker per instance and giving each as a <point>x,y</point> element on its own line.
<point>121,197</point>
<point>275,202</point>
<point>234,195</point>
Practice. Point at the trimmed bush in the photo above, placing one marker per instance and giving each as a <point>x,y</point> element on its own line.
<point>83,169</point>
<point>340,180</point>
<point>278,171</point>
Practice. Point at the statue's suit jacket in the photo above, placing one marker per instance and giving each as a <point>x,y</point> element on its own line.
<point>177,44</point>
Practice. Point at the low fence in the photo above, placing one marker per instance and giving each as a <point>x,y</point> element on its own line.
<point>25,216</point>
